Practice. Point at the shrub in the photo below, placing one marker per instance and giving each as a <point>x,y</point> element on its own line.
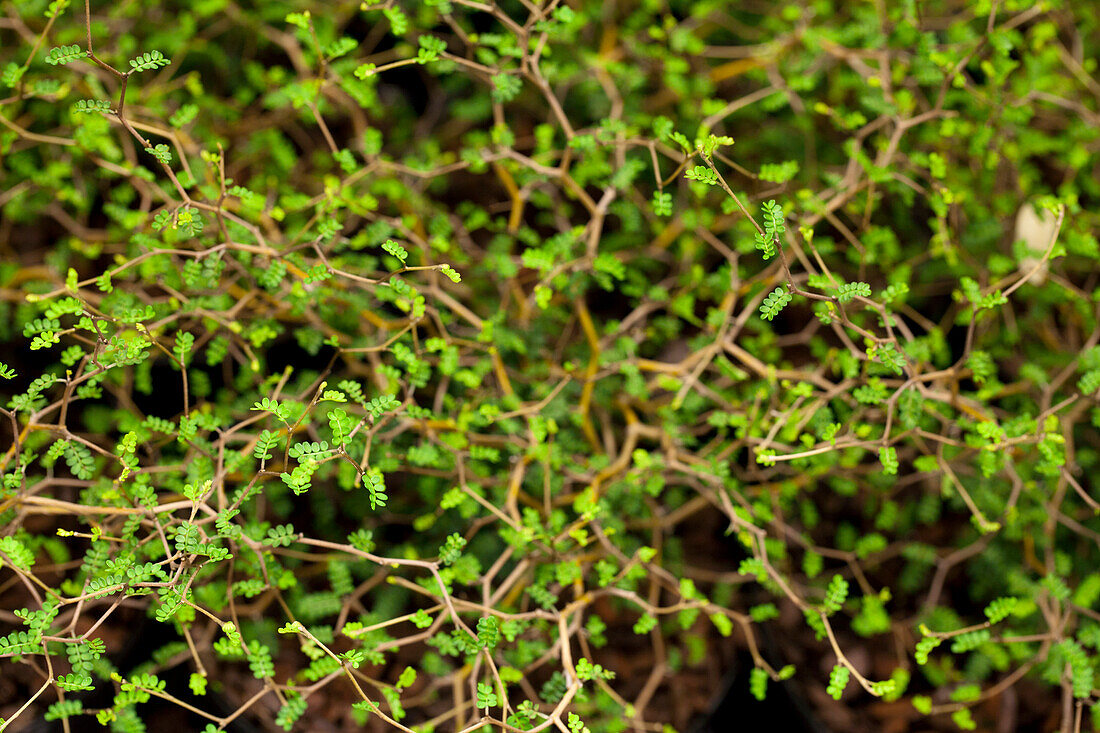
<point>395,352</point>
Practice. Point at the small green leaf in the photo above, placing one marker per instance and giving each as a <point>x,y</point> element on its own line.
<point>847,291</point>
<point>835,595</point>
<point>703,174</point>
<point>758,683</point>
<point>430,49</point>
<point>148,60</point>
<point>838,680</point>
<point>774,303</point>
<point>662,203</point>
<point>301,20</point>
<point>779,172</point>
<point>999,609</point>
<point>486,698</point>
<point>75,682</point>
<point>64,55</point>
<point>396,250</point>
<point>888,456</point>
<point>161,152</point>
<point>505,87</point>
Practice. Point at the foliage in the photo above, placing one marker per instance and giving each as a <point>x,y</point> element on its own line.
<point>434,334</point>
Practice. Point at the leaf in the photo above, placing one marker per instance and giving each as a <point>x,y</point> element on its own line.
<point>272,406</point>
<point>56,8</point>
<point>399,22</point>
<point>184,341</point>
<point>848,291</point>
<point>148,60</point>
<point>758,683</point>
<point>61,55</point>
<point>999,609</point>
<point>396,250</point>
<point>63,709</point>
<point>774,303</point>
<point>773,219</point>
<point>341,47</point>
<point>488,632</point>
<point>703,174</point>
<point>888,456</point>
<point>19,554</point>
<point>259,661</point>
<point>1089,382</point>
<point>300,20</point>
<point>310,451</point>
<point>289,713</point>
<point>486,698</point>
<point>408,677</point>
<point>161,152</point>
<point>779,172</point>
<point>835,595</point>
<point>645,624</point>
<point>884,688</point>
<point>681,140</point>
<point>379,405</point>
<point>505,87</point>
<point>197,683</point>
<point>75,682</point>
<point>11,74</point>
<point>609,264</point>
<point>924,647</point>
<point>299,479</point>
<point>970,640</point>
<point>341,425</point>
<point>451,549</point>
<point>265,442</point>
<point>430,49</point>
<point>888,355</point>
<point>377,488</point>
<point>185,114</point>
<point>838,680</point>
<point>88,106</point>
<point>79,458</point>
<point>281,536</point>
<point>662,203</point>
